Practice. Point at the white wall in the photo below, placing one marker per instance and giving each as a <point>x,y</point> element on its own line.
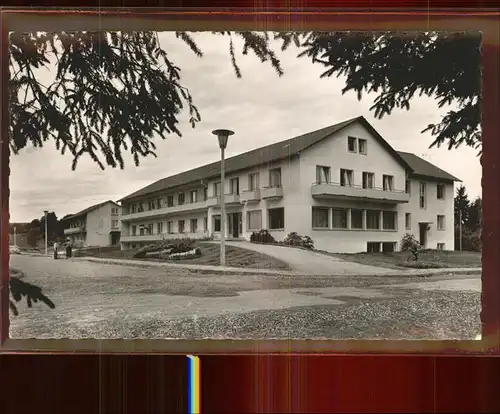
<point>98,225</point>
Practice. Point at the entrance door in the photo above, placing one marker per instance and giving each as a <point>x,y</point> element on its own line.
<point>235,223</point>
<point>423,234</point>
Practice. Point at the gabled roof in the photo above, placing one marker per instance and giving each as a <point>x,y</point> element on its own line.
<point>264,155</point>
<point>425,169</point>
<point>89,209</point>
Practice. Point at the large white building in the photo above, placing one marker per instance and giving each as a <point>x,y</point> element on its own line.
<point>98,225</point>
<point>344,186</point>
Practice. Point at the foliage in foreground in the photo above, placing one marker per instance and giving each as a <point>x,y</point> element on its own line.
<point>20,289</point>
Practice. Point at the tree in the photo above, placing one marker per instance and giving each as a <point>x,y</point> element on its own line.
<point>461,205</point>
<point>397,66</point>
<point>32,236</point>
<point>54,228</point>
<point>474,215</point>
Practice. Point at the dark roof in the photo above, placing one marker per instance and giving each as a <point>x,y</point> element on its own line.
<point>424,168</point>
<point>88,209</point>
<point>259,156</point>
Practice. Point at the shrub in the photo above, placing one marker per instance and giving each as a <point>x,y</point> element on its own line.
<point>295,239</point>
<point>471,241</point>
<point>172,246</point>
<point>262,236</point>
<point>410,244</point>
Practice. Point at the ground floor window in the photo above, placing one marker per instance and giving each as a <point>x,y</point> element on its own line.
<point>205,223</point>
<point>440,246</point>
<point>216,223</point>
<point>320,217</point>
<point>194,225</point>
<point>276,218</point>
<point>159,227</point>
<point>170,227</point>
<point>373,247</point>
<point>254,220</point>
<point>181,226</point>
<point>339,218</point>
<point>408,221</point>
<point>389,219</point>
<point>356,219</point>
<point>373,219</point>
<point>388,247</point>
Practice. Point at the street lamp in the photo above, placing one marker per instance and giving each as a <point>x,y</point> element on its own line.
<point>45,212</point>
<point>222,135</point>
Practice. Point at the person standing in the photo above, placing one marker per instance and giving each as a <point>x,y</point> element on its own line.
<point>56,246</point>
<point>68,249</point>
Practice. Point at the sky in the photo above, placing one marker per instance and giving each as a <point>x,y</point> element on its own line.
<point>261,108</point>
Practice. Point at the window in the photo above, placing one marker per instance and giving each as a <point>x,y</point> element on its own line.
<point>368,179</point>
<point>114,211</point>
<point>422,199</point>
<point>205,193</point>
<point>351,144</point>
<point>339,218</point>
<point>170,201</point>
<point>158,202</point>
<point>440,222</point>
<point>408,221</point>
<point>114,223</point>
<point>217,188</point>
<point>373,219</point>
<point>141,230</point>
<point>373,247</point>
<point>141,208</point>
<point>181,226</point>
<point>205,223</point>
<point>170,227</point>
<point>254,220</point>
<point>150,228</point>
<point>440,246</point>
<point>277,218</point>
<point>362,146</point>
<point>322,174</point>
<point>253,182</point>
<point>275,177</point>
<point>408,187</point>
<point>151,205</point>
<point>133,208</point>
<point>216,223</point>
<point>356,219</point>
<point>234,186</point>
<point>389,219</point>
<point>194,225</point>
<point>388,247</point>
<point>388,183</point>
<point>193,196</point>
<point>181,198</point>
<point>346,178</point>
<point>320,217</point>
<point>440,191</point>
<point>134,230</point>
<point>159,227</point>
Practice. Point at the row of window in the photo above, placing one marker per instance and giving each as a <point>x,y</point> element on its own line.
<point>323,175</point>
<point>114,211</point>
<point>75,224</point>
<point>357,145</point>
<point>352,218</point>
<point>151,229</point>
<point>234,188</point>
<point>114,224</point>
<point>388,247</point>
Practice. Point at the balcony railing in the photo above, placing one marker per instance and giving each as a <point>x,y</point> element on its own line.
<point>337,190</point>
<point>272,192</point>
<point>228,199</point>
<point>179,208</point>
<point>249,196</point>
<point>74,230</point>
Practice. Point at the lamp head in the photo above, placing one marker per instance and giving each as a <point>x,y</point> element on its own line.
<point>223,135</point>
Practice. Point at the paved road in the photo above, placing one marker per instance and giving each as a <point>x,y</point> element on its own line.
<point>311,262</point>
<point>105,301</point>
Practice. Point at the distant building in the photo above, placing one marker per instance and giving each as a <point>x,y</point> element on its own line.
<point>98,225</point>
<point>343,185</point>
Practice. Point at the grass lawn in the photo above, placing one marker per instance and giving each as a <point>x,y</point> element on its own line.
<point>428,259</point>
<point>210,255</point>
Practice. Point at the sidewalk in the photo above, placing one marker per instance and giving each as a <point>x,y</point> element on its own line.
<point>142,263</point>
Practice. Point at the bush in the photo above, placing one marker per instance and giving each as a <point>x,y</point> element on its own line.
<point>262,236</point>
<point>172,246</point>
<point>295,239</point>
<point>410,244</point>
<point>471,241</point>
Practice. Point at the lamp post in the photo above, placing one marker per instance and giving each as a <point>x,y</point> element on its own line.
<point>222,135</point>
<point>45,212</point>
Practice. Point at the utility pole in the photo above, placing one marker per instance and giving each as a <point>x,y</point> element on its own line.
<point>460,229</point>
<point>46,239</point>
<point>15,236</point>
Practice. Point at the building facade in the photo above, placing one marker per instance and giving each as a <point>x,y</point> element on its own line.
<point>98,226</point>
<point>344,186</point>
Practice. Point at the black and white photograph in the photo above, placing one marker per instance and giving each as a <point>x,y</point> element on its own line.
<point>245,185</point>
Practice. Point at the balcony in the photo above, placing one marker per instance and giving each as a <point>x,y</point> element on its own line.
<point>272,192</point>
<point>337,191</point>
<point>250,196</point>
<point>228,200</point>
<point>179,208</point>
<point>74,230</point>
